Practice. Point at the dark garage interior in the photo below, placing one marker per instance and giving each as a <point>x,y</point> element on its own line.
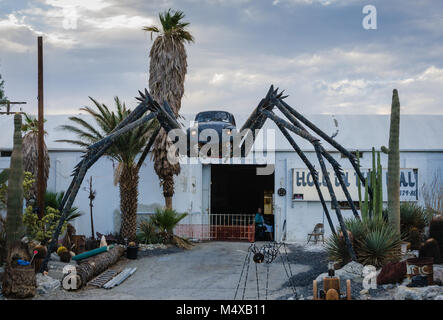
<point>237,189</point>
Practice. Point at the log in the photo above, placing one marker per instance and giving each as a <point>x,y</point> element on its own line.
<point>19,282</point>
<point>92,267</point>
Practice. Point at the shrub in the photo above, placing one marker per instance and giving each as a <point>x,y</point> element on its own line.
<point>42,229</point>
<point>436,231</point>
<point>166,220</point>
<point>413,216</point>
<point>148,233</point>
<point>375,242</point>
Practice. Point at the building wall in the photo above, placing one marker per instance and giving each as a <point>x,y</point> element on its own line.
<point>301,216</point>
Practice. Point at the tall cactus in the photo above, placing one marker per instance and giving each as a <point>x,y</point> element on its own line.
<point>14,220</point>
<point>394,163</point>
<point>372,208</point>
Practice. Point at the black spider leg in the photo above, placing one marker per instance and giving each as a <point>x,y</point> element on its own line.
<point>335,165</point>
<point>291,279</point>
<point>267,279</point>
<point>256,277</point>
<point>315,142</point>
<point>313,172</point>
<point>246,276</point>
<point>288,275</point>
<point>89,159</point>
<point>328,139</point>
<point>335,203</point>
<point>247,257</point>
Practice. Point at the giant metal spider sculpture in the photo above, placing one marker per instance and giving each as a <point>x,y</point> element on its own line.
<point>149,109</point>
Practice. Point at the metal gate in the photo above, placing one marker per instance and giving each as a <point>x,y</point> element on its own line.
<point>221,227</point>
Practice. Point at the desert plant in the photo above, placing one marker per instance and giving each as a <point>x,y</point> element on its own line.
<point>54,200</point>
<point>412,216</point>
<point>394,163</point>
<point>167,72</point>
<point>436,231</point>
<point>30,153</point>
<point>374,240</point>
<point>124,150</point>
<point>166,220</point>
<point>28,181</point>
<point>148,233</point>
<point>379,246</point>
<point>61,249</point>
<point>374,206</point>
<point>42,229</point>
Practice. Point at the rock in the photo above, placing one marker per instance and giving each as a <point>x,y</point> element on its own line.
<point>353,271</point>
<point>364,291</point>
<point>439,297</point>
<point>425,293</point>
<point>438,272</point>
<point>46,284</point>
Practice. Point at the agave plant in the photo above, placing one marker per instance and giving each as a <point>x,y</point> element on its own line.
<point>148,233</point>
<point>413,216</point>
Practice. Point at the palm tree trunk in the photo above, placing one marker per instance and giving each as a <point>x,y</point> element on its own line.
<point>128,201</point>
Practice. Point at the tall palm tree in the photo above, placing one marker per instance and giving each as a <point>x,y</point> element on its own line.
<point>167,71</point>
<point>30,154</point>
<point>124,150</point>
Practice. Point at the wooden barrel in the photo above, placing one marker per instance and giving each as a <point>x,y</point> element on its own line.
<point>422,267</point>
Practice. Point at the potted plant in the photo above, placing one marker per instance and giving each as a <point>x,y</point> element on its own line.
<point>132,250</point>
<point>64,254</point>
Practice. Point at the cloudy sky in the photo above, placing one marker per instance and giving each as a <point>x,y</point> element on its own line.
<point>317,50</point>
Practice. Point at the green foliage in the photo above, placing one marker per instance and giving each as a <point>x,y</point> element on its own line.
<point>173,26</point>
<point>31,124</point>
<point>166,220</point>
<point>374,240</point>
<point>42,229</point>
<point>413,216</point>
<point>54,200</point>
<point>374,206</point>
<point>28,180</point>
<point>148,233</point>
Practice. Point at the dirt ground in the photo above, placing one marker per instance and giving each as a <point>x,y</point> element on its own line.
<point>210,270</point>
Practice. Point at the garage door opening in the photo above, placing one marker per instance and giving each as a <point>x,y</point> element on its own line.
<point>236,194</point>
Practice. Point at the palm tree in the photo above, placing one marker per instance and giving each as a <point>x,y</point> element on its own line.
<point>124,150</point>
<point>167,71</point>
<point>30,154</point>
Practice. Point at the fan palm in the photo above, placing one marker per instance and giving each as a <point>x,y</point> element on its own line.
<point>167,71</point>
<point>124,150</point>
<point>30,154</point>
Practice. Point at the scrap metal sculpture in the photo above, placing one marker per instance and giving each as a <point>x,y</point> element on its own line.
<point>149,109</point>
<point>266,254</point>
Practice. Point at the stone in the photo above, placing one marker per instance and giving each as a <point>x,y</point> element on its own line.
<point>438,272</point>
<point>424,293</point>
<point>353,271</point>
<point>439,297</point>
<point>46,284</point>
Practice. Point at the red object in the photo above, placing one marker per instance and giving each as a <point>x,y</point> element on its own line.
<point>393,272</point>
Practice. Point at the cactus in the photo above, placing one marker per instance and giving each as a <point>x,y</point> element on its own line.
<point>14,222</point>
<point>372,208</point>
<point>394,163</point>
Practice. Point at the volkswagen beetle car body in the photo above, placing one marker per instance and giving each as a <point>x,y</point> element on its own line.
<point>212,125</point>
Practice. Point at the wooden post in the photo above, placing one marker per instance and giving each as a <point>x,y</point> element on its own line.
<point>41,161</point>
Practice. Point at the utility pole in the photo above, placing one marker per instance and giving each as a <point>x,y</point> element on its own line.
<point>41,133</point>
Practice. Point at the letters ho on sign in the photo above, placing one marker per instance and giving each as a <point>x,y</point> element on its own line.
<point>304,188</point>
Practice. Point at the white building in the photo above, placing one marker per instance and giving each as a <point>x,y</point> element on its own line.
<point>231,189</point>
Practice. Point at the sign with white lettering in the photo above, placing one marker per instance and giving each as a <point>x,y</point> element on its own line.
<point>304,188</point>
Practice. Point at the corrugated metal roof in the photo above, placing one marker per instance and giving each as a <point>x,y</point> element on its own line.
<point>417,132</point>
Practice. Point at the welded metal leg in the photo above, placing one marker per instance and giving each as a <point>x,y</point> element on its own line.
<point>334,202</point>
<point>313,172</point>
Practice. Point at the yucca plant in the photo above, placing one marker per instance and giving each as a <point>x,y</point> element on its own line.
<point>379,246</point>
<point>375,242</point>
<point>412,216</point>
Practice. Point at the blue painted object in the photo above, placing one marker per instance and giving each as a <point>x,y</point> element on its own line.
<point>23,262</point>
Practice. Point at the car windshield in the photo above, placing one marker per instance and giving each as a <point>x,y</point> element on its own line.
<point>213,116</point>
